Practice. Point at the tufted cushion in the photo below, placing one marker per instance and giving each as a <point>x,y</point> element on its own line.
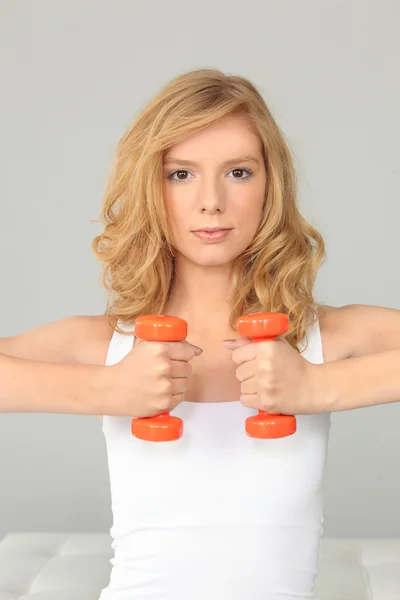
<point>60,566</point>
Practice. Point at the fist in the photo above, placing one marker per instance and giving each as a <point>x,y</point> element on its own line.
<point>274,377</point>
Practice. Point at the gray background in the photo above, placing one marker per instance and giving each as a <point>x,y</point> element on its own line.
<point>73,76</point>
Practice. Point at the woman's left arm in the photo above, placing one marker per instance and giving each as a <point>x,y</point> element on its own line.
<point>360,382</point>
<point>371,373</point>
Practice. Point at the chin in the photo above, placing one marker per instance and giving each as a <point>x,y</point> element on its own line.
<point>208,257</point>
<point>211,261</point>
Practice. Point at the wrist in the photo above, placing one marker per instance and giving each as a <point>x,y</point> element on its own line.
<point>323,390</point>
<point>99,389</point>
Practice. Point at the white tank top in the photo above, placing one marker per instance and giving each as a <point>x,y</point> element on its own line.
<point>215,515</point>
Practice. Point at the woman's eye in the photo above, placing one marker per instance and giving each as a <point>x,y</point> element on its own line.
<point>175,172</point>
<point>183,171</point>
<point>248,171</point>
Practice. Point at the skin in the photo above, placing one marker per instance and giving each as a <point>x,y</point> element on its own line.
<point>209,194</point>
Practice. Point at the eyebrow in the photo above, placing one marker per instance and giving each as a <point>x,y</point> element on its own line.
<point>231,161</point>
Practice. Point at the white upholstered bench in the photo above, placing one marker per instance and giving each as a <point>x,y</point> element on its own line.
<point>62,566</point>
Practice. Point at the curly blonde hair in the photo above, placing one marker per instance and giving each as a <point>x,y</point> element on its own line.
<point>275,273</point>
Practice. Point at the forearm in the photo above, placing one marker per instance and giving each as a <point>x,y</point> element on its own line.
<point>33,386</point>
<point>361,381</point>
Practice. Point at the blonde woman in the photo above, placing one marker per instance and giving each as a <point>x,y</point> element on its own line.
<point>215,514</point>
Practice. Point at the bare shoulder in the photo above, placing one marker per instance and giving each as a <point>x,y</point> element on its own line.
<point>334,340</point>
<point>356,330</point>
<point>73,339</point>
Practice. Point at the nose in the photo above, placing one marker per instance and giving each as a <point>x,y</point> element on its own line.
<point>212,198</point>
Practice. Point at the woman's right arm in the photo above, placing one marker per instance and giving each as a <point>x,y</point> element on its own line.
<point>60,368</point>
<point>35,386</point>
<point>57,367</point>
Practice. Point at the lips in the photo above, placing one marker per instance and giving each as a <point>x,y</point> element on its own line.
<point>212,236</point>
<point>212,229</point>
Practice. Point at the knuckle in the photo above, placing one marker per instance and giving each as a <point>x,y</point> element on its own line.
<point>272,409</point>
<point>163,368</point>
<point>266,348</point>
<point>165,386</point>
<point>268,399</point>
<point>264,364</point>
<point>157,349</point>
<point>164,402</point>
<point>266,404</point>
<point>239,374</point>
<point>267,385</point>
<point>163,405</point>
<point>244,399</point>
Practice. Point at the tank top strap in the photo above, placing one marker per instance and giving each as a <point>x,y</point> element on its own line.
<point>312,349</point>
<point>120,344</point>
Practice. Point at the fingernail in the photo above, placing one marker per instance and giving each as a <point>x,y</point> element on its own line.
<point>197,348</point>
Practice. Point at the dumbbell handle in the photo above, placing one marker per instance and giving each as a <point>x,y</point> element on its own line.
<point>261,327</point>
<point>162,328</point>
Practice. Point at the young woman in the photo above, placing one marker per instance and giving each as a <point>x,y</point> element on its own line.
<point>215,514</point>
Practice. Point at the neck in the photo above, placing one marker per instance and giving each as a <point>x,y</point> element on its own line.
<point>200,295</point>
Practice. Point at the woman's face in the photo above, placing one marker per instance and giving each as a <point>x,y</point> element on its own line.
<point>215,178</point>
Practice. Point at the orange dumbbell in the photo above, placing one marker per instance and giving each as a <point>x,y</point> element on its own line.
<point>260,327</point>
<point>159,328</point>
